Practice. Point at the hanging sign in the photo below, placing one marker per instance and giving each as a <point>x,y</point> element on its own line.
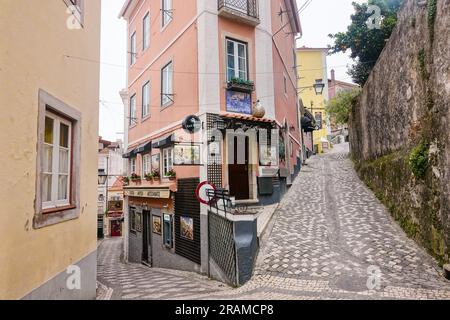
<point>192,124</point>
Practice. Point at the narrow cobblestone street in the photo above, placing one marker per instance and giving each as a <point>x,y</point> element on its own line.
<point>327,238</point>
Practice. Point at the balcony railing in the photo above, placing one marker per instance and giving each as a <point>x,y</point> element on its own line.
<point>245,11</point>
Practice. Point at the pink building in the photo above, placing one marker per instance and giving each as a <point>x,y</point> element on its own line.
<point>220,61</point>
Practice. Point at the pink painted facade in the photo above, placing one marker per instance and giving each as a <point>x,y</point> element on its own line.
<point>225,61</point>
<point>178,42</point>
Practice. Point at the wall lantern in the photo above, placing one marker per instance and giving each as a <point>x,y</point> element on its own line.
<point>318,87</point>
<point>102,176</point>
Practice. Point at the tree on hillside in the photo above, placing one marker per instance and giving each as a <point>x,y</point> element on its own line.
<point>366,43</point>
<point>339,108</point>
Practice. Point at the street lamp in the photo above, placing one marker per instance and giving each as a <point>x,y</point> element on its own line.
<point>103,180</point>
<point>318,87</point>
<point>102,176</point>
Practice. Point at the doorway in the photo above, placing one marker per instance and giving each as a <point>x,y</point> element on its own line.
<point>116,228</point>
<point>238,170</point>
<point>146,239</point>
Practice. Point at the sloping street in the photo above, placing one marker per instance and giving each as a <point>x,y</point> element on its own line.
<point>329,239</point>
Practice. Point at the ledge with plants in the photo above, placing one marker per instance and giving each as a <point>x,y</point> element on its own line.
<point>238,84</point>
<point>171,174</point>
<point>156,175</point>
<point>135,178</point>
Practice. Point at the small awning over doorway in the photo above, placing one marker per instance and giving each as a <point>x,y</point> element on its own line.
<point>144,148</point>
<point>164,142</point>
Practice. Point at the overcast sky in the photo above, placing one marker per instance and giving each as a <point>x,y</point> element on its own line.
<point>320,18</point>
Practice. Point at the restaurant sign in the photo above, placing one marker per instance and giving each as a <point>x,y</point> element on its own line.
<point>148,193</point>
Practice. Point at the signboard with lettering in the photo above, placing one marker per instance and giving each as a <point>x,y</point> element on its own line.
<point>148,193</point>
<point>192,124</point>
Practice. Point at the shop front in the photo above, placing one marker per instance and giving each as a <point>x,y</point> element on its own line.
<point>155,228</point>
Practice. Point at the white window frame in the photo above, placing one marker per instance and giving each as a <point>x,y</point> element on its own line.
<point>166,18</point>
<point>146,100</point>
<point>69,209</point>
<point>55,174</point>
<point>146,31</point>
<point>133,168</point>
<point>133,48</point>
<point>133,111</point>
<point>167,161</point>
<point>167,84</point>
<point>237,66</point>
<point>146,163</point>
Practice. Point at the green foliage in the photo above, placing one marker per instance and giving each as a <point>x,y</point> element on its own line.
<point>171,173</point>
<point>340,107</point>
<point>242,81</point>
<point>365,44</point>
<point>418,160</point>
<point>432,12</point>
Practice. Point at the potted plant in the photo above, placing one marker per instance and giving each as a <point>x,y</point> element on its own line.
<point>239,84</point>
<point>171,174</point>
<point>155,175</point>
<point>126,181</point>
<point>135,177</point>
<point>148,176</point>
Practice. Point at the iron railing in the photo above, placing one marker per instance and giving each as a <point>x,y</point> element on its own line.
<point>247,7</point>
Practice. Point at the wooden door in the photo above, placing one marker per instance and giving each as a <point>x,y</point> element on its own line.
<point>116,228</point>
<point>238,173</point>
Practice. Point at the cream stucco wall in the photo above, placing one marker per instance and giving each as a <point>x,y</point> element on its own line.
<point>313,66</point>
<point>34,40</point>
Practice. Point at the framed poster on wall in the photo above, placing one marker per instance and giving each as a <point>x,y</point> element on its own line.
<point>187,228</point>
<point>186,155</point>
<point>156,225</point>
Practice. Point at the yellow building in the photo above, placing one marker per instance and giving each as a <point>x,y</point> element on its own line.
<point>312,69</point>
<point>49,131</point>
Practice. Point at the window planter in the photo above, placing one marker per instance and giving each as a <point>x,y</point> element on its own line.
<point>241,85</point>
<point>171,175</point>
<point>135,178</point>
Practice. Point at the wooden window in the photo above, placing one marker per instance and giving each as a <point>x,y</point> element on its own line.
<point>146,31</point>
<point>146,163</point>
<point>167,161</point>
<point>167,12</point>
<point>133,116</point>
<point>133,50</point>
<point>167,84</point>
<point>237,64</point>
<point>146,100</point>
<point>133,165</point>
<point>58,162</point>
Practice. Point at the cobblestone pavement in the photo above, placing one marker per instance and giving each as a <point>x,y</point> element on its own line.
<point>329,239</point>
